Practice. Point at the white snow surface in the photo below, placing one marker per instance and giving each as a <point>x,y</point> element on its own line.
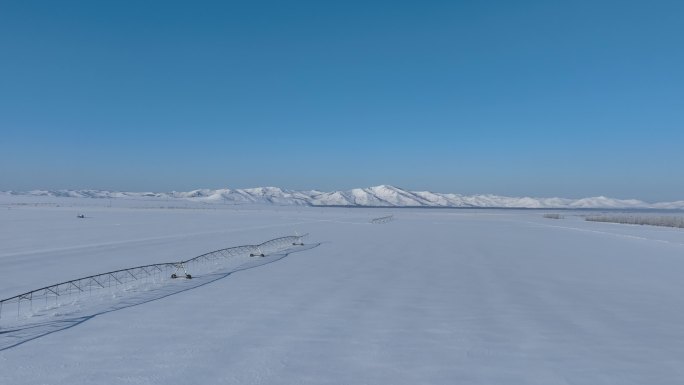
<point>433,297</point>
<point>383,195</point>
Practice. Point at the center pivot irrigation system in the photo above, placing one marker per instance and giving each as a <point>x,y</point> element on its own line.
<point>56,294</point>
<point>380,220</point>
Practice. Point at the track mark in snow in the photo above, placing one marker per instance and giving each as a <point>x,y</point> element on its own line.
<point>606,233</point>
<point>149,239</point>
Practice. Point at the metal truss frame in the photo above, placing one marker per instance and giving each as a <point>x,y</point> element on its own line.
<point>159,271</point>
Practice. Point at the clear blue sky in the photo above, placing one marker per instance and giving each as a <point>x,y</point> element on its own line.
<point>542,98</point>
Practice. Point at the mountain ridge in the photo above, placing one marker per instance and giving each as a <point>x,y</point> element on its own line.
<point>382,195</point>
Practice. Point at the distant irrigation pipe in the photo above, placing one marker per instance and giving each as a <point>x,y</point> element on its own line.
<point>380,220</point>
<point>161,271</point>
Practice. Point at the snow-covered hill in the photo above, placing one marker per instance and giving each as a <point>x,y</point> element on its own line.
<point>383,195</point>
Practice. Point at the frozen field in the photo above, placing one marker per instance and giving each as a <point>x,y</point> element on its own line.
<point>436,296</point>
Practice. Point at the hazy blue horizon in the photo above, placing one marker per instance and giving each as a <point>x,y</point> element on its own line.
<point>531,98</point>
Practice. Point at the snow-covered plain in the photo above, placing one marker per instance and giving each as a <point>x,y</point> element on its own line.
<point>437,296</point>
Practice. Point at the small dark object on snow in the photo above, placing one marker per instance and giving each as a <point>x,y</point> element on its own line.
<point>80,216</point>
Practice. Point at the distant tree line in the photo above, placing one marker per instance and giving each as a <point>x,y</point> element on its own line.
<point>666,221</point>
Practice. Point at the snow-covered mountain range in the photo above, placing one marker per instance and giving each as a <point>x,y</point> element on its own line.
<point>383,195</point>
